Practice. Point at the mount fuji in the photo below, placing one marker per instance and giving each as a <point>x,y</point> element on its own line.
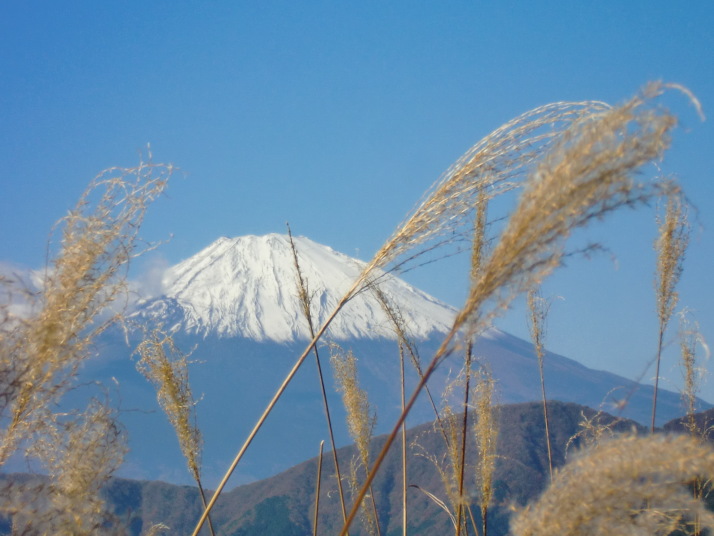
<point>234,306</point>
<point>247,287</point>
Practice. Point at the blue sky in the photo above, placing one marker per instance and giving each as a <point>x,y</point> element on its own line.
<point>337,116</point>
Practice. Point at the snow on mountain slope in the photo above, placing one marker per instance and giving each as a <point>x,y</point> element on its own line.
<point>246,286</point>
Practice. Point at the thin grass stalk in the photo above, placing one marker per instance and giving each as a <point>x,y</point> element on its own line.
<point>473,521</point>
<point>538,311</point>
<point>404,443</point>
<point>204,503</point>
<point>305,302</point>
<point>317,490</point>
<point>338,473</point>
<point>464,430</point>
<point>688,337</point>
<point>441,504</point>
<point>374,512</point>
<point>405,340</point>
<point>478,255</point>
<point>394,315</point>
<point>671,245</point>
<point>585,176</point>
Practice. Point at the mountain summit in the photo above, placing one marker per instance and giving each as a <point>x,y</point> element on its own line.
<point>247,287</point>
<point>235,304</point>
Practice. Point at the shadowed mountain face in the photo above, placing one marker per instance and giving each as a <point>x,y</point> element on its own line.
<point>235,305</point>
<point>283,504</point>
<point>234,378</point>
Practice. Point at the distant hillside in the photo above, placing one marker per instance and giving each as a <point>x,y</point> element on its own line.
<point>520,475</point>
<point>283,503</point>
<point>234,378</point>
<point>235,307</point>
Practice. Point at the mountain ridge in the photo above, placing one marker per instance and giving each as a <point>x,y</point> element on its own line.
<point>282,504</point>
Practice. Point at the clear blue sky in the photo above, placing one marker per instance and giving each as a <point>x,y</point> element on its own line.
<point>337,116</point>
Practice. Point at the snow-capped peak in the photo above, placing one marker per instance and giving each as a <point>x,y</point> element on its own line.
<point>247,287</point>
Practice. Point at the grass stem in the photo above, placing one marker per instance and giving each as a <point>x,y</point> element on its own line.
<point>317,490</point>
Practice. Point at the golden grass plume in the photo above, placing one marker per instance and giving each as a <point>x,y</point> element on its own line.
<point>584,174</point>
<point>671,245</point>
<point>80,452</point>
<point>40,354</point>
<point>361,420</point>
<point>166,367</point>
<point>485,431</point>
<point>628,485</point>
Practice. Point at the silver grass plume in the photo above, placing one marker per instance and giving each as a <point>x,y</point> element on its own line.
<point>671,245</point>
<point>39,355</point>
<point>166,367</point>
<point>585,174</point>
<point>80,452</point>
<point>360,421</point>
<point>628,485</point>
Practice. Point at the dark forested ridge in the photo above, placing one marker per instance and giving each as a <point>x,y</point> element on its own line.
<point>283,504</point>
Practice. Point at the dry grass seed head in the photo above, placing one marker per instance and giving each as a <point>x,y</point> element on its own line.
<point>303,289</point>
<point>586,174</point>
<point>43,352</point>
<point>493,166</point>
<point>80,453</point>
<point>538,312</point>
<point>360,421</point>
<point>366,518</point>
<point>399,325</point>
<point>448,463</point>
<point>582,172</point>
<point>165,366</point>
<point>670,245</point>
<point>593,430</point>
<point>479,242</point>
<point>451,420</point>
<point>360,417</point>
<point>486,434</point>
<point>628,485</point>
<point>689,337</point>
